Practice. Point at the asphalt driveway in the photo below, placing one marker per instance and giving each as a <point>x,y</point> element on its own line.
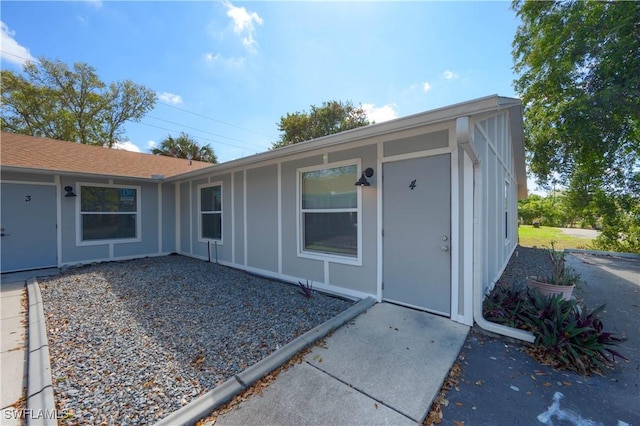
<point>501,384</point>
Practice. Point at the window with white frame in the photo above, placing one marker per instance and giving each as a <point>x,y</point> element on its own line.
<point>109,212</point>
<point>211,212</point>
<point>329,210</point>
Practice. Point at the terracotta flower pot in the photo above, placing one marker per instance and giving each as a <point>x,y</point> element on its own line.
<point>550,289</point>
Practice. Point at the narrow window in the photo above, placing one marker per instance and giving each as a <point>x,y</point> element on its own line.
<point>506,210</point>
<point>211,212</point>
<point>329,211</point>
<point>109,213</point>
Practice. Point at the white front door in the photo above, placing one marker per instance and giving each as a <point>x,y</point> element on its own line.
<point>28,228</point>
<point>417,232</point>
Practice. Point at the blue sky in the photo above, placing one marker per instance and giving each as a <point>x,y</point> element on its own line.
<point>225,72</point>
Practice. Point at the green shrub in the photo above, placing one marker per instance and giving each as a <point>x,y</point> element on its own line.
<point>567,335</point>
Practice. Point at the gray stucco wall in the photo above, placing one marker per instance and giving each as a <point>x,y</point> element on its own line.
<point>168,218</point>
<point>262,218</point>
<point>26,177</point>
<point>198,248</point>
<point>185,218</point>
<point>237,225</point>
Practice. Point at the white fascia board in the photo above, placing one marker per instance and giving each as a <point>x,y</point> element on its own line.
<point>14,169</point>
<point>516,128</point>
<point>423,119</point>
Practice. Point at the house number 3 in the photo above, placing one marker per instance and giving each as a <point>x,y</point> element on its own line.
<point>27,198</point>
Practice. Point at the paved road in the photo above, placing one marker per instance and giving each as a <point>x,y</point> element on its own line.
<point>501,384</point>
<point>581,233</point>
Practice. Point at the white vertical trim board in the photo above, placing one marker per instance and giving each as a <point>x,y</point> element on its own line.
<point>454,241</point>
<point>379,223</point>
<point>244,212</point>
<point>160,224</point>
<point>279,218</point>
<point>233,217</point>
<point>176,190</point>
<point>56,180</point>
<point>190,217</point>
<point>468,239</point>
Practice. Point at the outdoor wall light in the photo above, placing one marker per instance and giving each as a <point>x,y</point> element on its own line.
<point>363,179</point>
<point>69,190</point>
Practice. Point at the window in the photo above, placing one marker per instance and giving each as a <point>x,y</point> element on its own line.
<point>109,213</point>
<point>329,210</point>
<point>506,210</point>
<point>211,212</point>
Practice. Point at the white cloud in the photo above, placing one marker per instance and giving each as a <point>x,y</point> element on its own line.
<point>12,51</point>
<point>151,144</point>
<point>426,86</point>
<point>380,114</point>
<point>95,3</point>
<point>233,62</point>
<point>450,75</point>
<point>127,146</point>
<point>169,98</point>
<point>244,24</point>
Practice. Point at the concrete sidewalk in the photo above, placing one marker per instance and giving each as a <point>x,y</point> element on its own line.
<point>385,367</point>
<point>16,354</point>
<point>14,350</point>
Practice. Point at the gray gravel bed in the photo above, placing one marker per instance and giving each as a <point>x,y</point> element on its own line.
<point>133,341</point>
<point>524,262</point>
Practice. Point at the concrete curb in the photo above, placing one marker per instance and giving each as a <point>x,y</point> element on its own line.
<point>196,410</point>
<point>40,398</point>
<point>605,253</point>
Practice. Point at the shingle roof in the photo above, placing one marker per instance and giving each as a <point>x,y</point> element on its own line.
<point>28,152</point>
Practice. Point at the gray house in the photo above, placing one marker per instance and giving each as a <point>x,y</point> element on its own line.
<point>419,211</point>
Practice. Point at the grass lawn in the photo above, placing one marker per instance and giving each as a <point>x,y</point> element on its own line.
<point>542,237</point>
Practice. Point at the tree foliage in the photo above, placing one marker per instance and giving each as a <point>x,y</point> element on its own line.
<point>331,117</point>
<point>578,65</point>
<point>54,101</point>
<point>617,218</point>
<point>185,147</point>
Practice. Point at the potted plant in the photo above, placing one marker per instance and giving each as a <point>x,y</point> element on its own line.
<point>560,280</point>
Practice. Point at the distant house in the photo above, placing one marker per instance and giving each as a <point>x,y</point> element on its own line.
<point>435,220</point>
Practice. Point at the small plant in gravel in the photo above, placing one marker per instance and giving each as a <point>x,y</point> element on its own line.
<point>567,335</point>
<point>305,289</point>
<point>560,274</point>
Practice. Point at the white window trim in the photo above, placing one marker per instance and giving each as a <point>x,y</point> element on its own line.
<point>79,213</point>
<point>335,258</point>
<point>199,188</point>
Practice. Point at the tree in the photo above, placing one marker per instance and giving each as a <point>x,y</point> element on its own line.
<point>578,65</point>
<point>53,101</point>
<point>331,117</point>
<point>185,147</point>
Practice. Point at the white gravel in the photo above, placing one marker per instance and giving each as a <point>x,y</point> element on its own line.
<point>131,342</point>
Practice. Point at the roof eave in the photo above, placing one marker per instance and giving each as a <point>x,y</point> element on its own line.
<point>19,169</point>
<point>423,119</point>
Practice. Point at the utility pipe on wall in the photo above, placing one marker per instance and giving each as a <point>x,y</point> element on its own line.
<point>465,141</point>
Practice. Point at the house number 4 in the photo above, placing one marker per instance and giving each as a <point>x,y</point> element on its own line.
<point>27,198</point>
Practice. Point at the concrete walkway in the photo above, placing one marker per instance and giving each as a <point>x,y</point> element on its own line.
<point>24,359</point>
<point>385,367</point>
<point>14,351</point>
